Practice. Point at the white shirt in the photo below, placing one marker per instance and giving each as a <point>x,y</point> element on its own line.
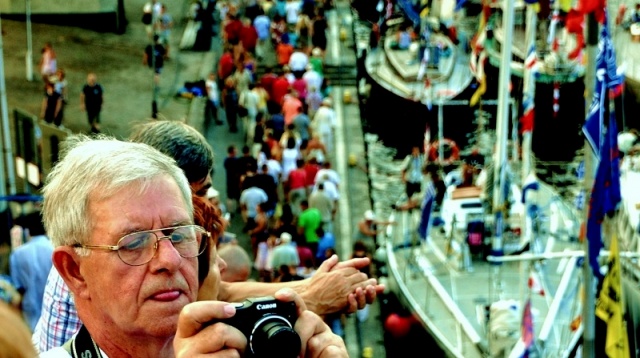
<point>313,78</point>
<point>298,61</point>
<point>212,91</point>
<point>60,352</point>
<point>249,100</point>
<point>293,9</point>
<point>324,121</point>
<point>330,189</point>
<point>275,169</point>
<point>331,175</point>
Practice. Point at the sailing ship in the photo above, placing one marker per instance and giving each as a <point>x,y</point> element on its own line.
<point>497,284</point>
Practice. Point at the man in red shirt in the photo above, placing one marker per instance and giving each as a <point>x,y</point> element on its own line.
<point>311,167</point>
<point>296,183</point>
<point>225,66</point>
<point>232,30</point>
<point>248,36</point>
<point>267,80</point>
<point>279,89</point>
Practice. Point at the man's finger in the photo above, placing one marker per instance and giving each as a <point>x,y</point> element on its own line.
<point>361,298</point>
<point>288,295</point>
<point>218,337</point>
<point>356,263</point>
<point>307,326</point>
<point>352,305</point>
<point>198,314</point>
<point>328,264</point>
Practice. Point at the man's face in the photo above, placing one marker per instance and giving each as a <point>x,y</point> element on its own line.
<point>144,299</point>
<point>200,188</point>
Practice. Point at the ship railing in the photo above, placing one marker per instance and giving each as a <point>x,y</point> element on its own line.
<point>417,267</point>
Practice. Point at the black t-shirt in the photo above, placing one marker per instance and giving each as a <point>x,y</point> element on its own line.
<point>92,96</point>
<point>319,28</point>
<point>159,52</point>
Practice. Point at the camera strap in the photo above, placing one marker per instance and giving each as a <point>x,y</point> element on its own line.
<point>83,346</point>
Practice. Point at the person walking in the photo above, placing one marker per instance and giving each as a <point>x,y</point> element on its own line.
<point>230,101</point>
<point>60,86</point>
<point>48,62</point>
<point>91,100</point>
<point>51,104</point>
<point>213,99</point>
<point>154,57</point>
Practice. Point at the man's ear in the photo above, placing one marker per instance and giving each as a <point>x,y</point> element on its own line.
<point>67,263</point>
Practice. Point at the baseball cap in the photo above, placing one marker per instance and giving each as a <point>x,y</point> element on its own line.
<point>369,215</point>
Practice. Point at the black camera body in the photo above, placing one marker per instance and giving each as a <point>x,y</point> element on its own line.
<point>268,325</point>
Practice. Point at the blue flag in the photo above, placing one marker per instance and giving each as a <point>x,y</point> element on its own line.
<point>606,78</point>
<point>605,195</point>
<point>427,209</point>
<point>409,10</point>
<point>459,5</point>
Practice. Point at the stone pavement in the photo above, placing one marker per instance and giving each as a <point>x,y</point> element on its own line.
<point>116,60</point>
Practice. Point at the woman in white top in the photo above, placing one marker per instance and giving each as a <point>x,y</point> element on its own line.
<point>290,156</point>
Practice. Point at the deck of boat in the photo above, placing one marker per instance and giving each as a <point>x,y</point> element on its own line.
<point>450,293</point>
<point>397,71</point>
<point>448,289</point>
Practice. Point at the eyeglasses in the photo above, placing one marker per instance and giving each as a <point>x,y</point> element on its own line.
<point>140,247</point>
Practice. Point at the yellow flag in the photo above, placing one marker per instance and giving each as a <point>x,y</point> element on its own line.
<point>565,5</point>
<point>610,308</point>
<point>482,88</point>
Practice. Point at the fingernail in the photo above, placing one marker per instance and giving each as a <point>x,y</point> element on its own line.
<point>229,310</point>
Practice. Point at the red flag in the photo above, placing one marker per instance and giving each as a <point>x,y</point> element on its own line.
<point>534,284</point>
<point>592,6</point>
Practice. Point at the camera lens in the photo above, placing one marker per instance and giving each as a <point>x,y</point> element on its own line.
<point>274,337</point>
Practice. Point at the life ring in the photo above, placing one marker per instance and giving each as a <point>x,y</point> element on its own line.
<point>453,155</point>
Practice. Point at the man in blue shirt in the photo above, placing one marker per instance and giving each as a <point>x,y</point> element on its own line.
<point>30,265</point>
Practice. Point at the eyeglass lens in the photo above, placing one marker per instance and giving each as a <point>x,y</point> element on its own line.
<point>139,247</point>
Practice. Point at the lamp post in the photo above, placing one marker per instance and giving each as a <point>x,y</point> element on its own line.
<point>29,56</point>
<point>10,183</point>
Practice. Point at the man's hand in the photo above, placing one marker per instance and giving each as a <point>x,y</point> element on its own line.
<point>195,336</point>
<point>337,287</point>
<point>316,337</point>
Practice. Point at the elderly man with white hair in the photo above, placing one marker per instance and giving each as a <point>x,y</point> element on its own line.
<point>120,217</point>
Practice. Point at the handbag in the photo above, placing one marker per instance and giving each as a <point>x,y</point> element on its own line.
<point>242,111</point>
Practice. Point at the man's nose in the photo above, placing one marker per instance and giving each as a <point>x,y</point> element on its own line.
<point>166,255</point>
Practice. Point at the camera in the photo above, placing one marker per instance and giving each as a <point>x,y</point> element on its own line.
<point>268,325</point>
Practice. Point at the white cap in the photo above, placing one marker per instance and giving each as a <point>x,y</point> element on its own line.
<point>369,215</point>
<point>212,193</point>
<point>285,238</point>
<point>326,102</point>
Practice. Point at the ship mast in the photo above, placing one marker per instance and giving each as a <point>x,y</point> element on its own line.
<point>502,124</point>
